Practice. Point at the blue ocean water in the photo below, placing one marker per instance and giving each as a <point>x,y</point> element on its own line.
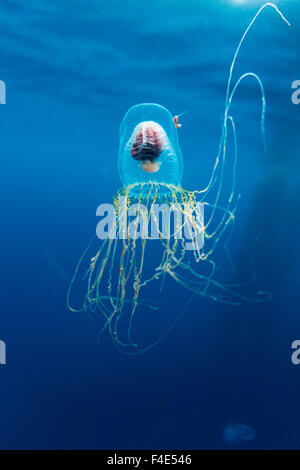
<point>72,69</point>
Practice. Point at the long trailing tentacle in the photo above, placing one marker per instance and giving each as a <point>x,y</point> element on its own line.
<point>217,181</point>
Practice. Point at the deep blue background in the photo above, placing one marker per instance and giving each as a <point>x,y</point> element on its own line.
<point>72,69</point>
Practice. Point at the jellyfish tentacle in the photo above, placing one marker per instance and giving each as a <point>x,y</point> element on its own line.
<point>228,99</point>
<point>263,97</point>
<point>269,4</point>
<point>75,276</point>
<point>227,213</point>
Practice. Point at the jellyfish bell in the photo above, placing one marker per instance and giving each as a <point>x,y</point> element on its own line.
<point>149,151</point>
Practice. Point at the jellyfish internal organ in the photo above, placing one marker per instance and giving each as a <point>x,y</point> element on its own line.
<point>148,144</point>
<point>128,268</point>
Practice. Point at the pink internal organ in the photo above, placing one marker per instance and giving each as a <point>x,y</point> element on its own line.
<point>146,148</point>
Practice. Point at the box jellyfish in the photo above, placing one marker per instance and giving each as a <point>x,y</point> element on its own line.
<point>141,248</point>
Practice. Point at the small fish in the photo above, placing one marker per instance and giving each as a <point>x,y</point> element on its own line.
<point>176,119</point>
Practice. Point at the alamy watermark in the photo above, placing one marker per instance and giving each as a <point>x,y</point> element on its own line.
<point>296,93</point>
<point>163,221</point>
<point>296,354</point>
<point>2,352</point>
<point>2,92</point>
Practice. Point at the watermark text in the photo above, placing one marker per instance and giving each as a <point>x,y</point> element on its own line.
<point>162,221</point>
<point>2,352</point>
